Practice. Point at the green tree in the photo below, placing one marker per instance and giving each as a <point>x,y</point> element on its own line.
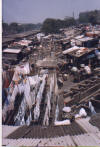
<point>89,17</point>
<point>69,21</point>
<point>13,27</point>
<point>83,18</point>
<point>5,27</point>
<point>50,26</point>
<point>92,16</point>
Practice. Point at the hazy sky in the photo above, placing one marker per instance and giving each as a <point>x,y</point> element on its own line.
<point>34,11</point>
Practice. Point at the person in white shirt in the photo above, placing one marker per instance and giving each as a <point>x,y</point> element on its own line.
<point>87,70</point>
<point>74,72</point>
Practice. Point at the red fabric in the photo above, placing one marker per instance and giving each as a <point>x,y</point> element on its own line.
<point>6,83</point>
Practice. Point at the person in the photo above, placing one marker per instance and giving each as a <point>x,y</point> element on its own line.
<point>88,71</point>
<point>74,72</point>
<point>74,69</point>
<point>82,71</point>
<point>98,56</point>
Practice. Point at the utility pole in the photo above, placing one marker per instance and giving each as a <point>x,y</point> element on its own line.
<point>73,14</point>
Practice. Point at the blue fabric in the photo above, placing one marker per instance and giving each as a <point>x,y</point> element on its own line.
<point>96,52</point>
<point>7,102</point>
<point>90,56</point>
<point>3,95</point>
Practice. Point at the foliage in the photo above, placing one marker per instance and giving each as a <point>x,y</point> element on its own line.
<point>18,28</point>
<point>89,17</point>
<point>53,25</point>
<point>50,26</point>
<point>5,27</point>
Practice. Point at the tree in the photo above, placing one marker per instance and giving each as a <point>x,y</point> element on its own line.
<point>5,27</point>
<point>92,16</point>
<point>83,17</point>
<point>69,21</point>
<point>89,17</point>
<point>50,26</point>
<point>53,25</point>
<point>13,27</point>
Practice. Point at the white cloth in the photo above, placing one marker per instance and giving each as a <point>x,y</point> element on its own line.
<point>29,119</point>
<point>64,122</point>
<point>48,107</point>
<point>87,69</point>
<point>82,112</point>
<point>98,56</point>
<point>27,93</point>
<point>92,108</point>
<point>23,69</point>
<point>74,69</point>
<point>39,98</point>
<point>15,91</point>
<point>66,109</point>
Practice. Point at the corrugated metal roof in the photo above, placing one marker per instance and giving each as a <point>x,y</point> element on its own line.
<point>87,140</point>
<point>20,35</point>
<point>85,39</point>
<point>5,40</point>
<point>87,126</point>
<point>8,50</point>
<point>71,49</point>
<point>91,138</point>
<point>8,129</point>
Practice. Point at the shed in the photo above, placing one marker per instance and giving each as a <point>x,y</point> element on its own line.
<point>12,54</point>
<point>87,41</point>
<point>80,54</point>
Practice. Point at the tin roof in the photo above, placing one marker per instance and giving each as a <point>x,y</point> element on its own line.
<point>71,49</point>
<point>85,39</point>
<point>91,138</point>
<point>9,50</point>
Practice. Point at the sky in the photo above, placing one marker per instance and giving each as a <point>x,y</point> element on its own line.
<point>36,11</point>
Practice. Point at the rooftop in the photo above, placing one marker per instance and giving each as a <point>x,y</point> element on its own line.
<point>91,138</point>
<point>9,50</point>
<point>80,52</point>
<point>85,39</point>
<point>71,49</point>
<point>77,51</point>
<point>20,35</point>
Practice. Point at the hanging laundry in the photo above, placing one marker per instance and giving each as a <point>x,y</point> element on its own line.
<point>39,98</point>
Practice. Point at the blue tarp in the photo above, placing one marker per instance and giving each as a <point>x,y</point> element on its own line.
<point>96,52</point>
<point>90,56</point>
